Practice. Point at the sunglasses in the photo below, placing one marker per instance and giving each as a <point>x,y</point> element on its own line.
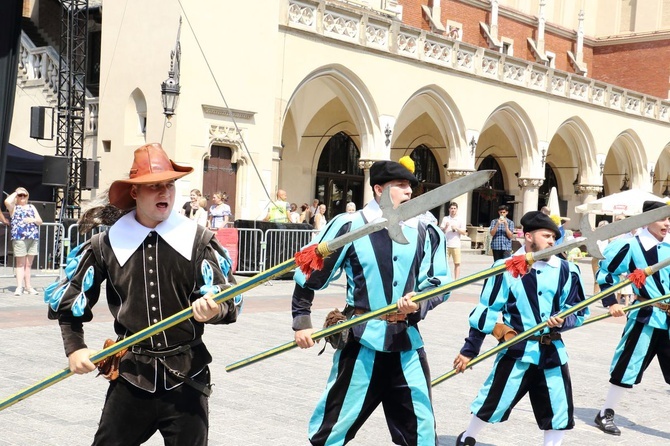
<point>21,195</point>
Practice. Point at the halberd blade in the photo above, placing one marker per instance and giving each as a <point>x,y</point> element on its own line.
<point>618,227</point>
<point>429,200</point>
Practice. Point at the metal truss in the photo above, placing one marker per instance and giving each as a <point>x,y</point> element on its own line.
<point>72,102</point>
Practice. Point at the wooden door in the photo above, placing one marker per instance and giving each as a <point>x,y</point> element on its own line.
<point>220,175</point>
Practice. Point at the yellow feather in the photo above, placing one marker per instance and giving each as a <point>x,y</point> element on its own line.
<point>407,162</point>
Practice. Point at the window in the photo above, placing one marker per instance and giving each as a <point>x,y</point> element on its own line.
<point>507,46</point>
<point>552,59</point>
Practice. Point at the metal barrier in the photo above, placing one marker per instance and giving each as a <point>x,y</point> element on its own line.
<point>258,250</point>
<point>74,238</point>
<point>282,244</point>
<point>250,251</point>
<point>6,263</point>
<point>47,264</point>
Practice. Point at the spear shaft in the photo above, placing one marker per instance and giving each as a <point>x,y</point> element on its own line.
<point>530,332</point>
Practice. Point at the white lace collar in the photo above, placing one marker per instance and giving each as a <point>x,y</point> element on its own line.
<point>127,234</point>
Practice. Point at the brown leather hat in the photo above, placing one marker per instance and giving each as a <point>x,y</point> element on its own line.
<point>151,165</point>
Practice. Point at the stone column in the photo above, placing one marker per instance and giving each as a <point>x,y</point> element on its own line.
<point>367,190</point>
<point>540,27</point>
<point>494,18</point>
<point>464,199</point>
<point>590,193</point>
<point>529,193</point>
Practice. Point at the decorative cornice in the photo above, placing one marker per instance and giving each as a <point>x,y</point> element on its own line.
<point>223,111</point>
<point>530,182</point>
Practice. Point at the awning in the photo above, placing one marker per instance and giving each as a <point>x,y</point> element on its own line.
<point>23,161</point>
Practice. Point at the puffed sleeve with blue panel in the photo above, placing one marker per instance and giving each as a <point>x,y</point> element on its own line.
<point>616,262</point>
<point>485,315</point>
<point>303,293</point>
<point>72,298</point>
<point>216,275</point>
<point>433,270</point>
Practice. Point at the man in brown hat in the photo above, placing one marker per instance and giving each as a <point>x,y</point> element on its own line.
<point>156,263</point>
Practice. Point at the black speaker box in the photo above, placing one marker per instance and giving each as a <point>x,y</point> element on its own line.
<point>89,175</point>
<point>46,209</point>
<point>37,119</point>
<point>55,171</point>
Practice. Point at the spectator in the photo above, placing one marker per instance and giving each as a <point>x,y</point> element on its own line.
<point>312,210</point>
<point>278,210</point>
<point>320,217</point>
<point>453,227</point>
<point>351,207</point>
<point>304,214</point>
<point>502,231</point>
<point>219,212</point>
<point>201,215</point>
<point>25,221</point>
<point>190,206</point>
<point>294,215</point>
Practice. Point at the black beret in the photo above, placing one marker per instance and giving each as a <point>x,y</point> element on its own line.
<point>538,220</point>
<point>381,172</point>
<point>651,205</point>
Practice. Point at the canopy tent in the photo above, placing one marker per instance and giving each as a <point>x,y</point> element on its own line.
<point>627,203</point>
<point>24,169</point>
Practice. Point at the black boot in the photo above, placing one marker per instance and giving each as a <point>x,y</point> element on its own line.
<point>606,423</point>
<point>467,441</point>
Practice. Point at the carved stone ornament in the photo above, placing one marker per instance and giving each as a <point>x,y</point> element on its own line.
<point>227,135</point>
<point>531,182</point>
<point>365,164</point>
<point>454,174</point>
<point>593,189</point>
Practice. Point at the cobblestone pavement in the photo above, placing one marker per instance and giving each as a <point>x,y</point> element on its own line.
<point>269,403</point>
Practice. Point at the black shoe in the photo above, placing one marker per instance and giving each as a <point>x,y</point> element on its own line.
<point>606,423</point>
<point>467,441</point>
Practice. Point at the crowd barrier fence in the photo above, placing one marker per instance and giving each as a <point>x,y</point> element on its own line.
<point>257,250</point>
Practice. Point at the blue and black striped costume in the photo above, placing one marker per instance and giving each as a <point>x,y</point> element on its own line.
<point>646,332</point>
<point>529,366</point>
<point>383,362</point>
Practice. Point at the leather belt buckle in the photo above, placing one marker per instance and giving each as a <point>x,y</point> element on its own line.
<point>394,318</point>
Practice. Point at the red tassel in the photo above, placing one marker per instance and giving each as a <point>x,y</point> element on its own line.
<point>638,277</point>
<point>308,259</point>
<point>517,265</point>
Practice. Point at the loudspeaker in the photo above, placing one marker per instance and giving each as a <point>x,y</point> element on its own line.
<point>89,175</point>
<point>37,119</point>
<point>46,209</point>
<point>55,171</point>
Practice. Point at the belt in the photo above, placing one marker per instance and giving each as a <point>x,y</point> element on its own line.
<point>160,355</point>
<point>546,339</point>
<point>661,306</point>
<point>174,351</point>
<point>392,318</point>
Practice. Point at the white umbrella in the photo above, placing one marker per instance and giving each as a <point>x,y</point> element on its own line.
<point>627,203</point>
<point>552,204</point>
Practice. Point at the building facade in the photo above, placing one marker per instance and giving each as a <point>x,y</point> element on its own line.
<point>304,95</point>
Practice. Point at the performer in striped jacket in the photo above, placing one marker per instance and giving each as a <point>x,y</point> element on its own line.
<point>646,332</point>
<point>383,360</point>
<point>537,366</point>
